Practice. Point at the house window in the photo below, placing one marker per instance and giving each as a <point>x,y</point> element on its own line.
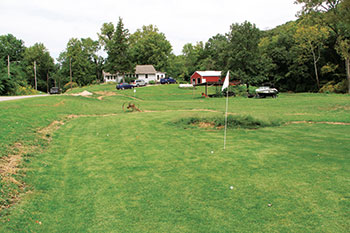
<point>146,75</point>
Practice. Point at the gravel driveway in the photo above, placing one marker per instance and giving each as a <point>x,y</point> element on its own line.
<point>4,98</point>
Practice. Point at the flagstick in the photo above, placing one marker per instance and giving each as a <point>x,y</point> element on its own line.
<point>226,119</point>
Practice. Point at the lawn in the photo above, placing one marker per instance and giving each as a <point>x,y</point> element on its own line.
<point>106,170</point>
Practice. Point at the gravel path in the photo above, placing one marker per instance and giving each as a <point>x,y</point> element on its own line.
<point>4,98</point>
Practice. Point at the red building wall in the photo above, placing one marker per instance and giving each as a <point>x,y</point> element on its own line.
<point>196,77</point>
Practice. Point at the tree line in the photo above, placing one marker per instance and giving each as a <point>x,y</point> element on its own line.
<point>311,53</point>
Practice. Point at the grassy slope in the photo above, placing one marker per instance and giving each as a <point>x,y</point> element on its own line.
<point>120,173</point>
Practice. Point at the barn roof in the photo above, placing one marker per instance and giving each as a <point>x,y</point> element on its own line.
<point>209,73</point>
<point>145,69</point>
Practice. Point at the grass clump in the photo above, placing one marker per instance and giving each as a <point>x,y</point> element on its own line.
<point>233,122</point>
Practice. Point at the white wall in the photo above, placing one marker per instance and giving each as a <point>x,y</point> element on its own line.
<point>159,75</point>
<point>151,77</point>
<point>113,78</point>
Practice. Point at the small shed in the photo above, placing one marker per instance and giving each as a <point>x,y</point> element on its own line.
<point>209,76</point>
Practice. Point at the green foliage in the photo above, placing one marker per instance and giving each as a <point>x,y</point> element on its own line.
<point>311,39</point>
<point>116,44</point>
<point>149,46</point>
<point>69,85</point>
<point>233,122</point>
<point>243,57</point>
<point>26,90</point>
<point>17,79</point>
<point>44,66</point>
<point>85,63</point>
<point>332,87</point>
<point>152,82</point>
<point>241,90</point>
<point>12,47</point>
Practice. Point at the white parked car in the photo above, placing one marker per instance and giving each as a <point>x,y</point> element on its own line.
<point>264,91</point>
<point>139,83</point>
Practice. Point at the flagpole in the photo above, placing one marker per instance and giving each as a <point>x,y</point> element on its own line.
<point>226,86</point>
<point>226,119</point>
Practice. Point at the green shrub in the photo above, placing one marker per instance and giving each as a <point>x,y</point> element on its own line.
<point>25,90</point>
<point>152,82</point>
<point>341,87</point>
<point>328,88</point>
<point>68,85</point>
<point>241,90</point>
<point>332,87</point>
<point>94,82</point>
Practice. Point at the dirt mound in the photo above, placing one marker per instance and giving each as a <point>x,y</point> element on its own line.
<point>84,93</point>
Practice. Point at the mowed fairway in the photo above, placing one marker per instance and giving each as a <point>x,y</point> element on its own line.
<point>105,170</point>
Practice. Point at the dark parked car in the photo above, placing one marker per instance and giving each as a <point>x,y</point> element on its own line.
<point>55,90</point>
<point>167,80</point>
<point>123,86</point>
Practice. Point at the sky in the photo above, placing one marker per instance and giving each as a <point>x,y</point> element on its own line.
<point>54,22</point>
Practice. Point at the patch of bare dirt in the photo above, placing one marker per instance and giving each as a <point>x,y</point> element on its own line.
<point>11,170</point>
<point>297,114</point>
<point>59,104</point>
<point>319,122</point>
<point>104,94</point>
<point>337,107</point>
<point>84,93</point>
<point>205,125</point>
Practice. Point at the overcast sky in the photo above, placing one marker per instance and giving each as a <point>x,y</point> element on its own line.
<point>54,22</point>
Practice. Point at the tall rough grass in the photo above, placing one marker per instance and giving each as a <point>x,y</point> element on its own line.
<point>233,122</point>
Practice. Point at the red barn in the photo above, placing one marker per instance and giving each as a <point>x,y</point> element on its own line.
<point>205,77</point>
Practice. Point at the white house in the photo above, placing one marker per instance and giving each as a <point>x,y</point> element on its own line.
<point>148,73</point>
<point>143,72</point>
<point>108,77</point>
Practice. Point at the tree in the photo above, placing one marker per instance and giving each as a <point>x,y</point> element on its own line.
<point>150,47</point>
<point>193,58</point>
<point>12,47</point>
<point>10,84</point>
<point>177,67</point>
<point>335,15</point>
<point>343,48</point>
<point>81,56</point>
<point>44,65</point>
<point>216,52</point>
<point>116,44</point>
<point>11,65</point>
<point>243,53</point>
<point>311,39</point>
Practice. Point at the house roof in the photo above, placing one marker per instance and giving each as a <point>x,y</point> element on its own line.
<point>107,73</point>
<point>145,69</point>
<point>209,73</point>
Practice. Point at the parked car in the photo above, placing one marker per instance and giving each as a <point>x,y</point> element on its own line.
<point>139,83</point>
<point>123,86</point>
<point>55,90</point>
<point>167,80</point>
<point>265,91</point>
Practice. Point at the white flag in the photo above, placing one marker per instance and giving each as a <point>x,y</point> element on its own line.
<point>226,82</point>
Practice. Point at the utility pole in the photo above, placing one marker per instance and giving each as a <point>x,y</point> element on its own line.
<point>36,86</point>
<point>47,82</point>
<point>8,66</point>
<point>70,71</point>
